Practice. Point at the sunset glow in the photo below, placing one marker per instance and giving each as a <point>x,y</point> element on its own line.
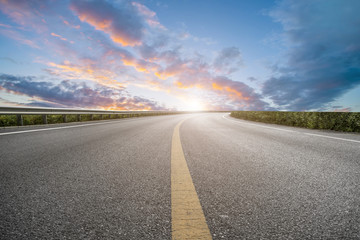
<point>148,55</point>
<point>194,105</point>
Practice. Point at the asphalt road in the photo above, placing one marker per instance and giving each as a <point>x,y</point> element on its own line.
<point>111,180</point>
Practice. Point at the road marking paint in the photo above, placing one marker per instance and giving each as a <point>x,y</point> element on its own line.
<point>310,134</point>
<point>344,139</point>
<point>188,220</point>
<point>56,128</point>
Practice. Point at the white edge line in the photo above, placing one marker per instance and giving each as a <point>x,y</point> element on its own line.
<point>285,130</point>
<point>344,139</point>
<point>56,128</point>
<point>310,134</point>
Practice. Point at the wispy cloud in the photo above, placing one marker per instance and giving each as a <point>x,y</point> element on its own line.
<point>27,13</point>
<point>61,37</point>
<point>5,25</point>
<point>9,60</point>
<point>17,36</point>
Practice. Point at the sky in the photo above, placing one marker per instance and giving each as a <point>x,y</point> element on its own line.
<point>264,55</point>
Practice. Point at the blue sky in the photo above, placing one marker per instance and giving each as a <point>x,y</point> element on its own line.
<point>185,55</point>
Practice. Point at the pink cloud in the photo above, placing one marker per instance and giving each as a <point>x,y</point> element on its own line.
<point>150,16</point>
<point>124,24</point>
<point>26,13</point>
<point>348,109</point>
<point>61,37</point>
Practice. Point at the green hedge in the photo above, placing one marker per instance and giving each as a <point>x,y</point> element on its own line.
<point>11,120</point>
<point>338,121</point>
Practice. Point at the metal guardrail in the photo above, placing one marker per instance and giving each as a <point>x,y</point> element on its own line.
<point>20,111</point>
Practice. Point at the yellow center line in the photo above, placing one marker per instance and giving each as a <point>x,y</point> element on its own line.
<point>188,220</point>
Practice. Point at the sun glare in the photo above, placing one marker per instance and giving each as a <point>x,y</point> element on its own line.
<point>194,105</point>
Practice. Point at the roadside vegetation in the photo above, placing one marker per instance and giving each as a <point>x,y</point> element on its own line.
<point>338,121</point>
<point>11,120</point>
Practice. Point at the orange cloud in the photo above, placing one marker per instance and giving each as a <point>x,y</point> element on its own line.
<point>86,71</point>
<point>59,36</point>
<point>122,23</point>
<point>236,92</point>
<point>217,87</point>
<point>106,26</point>
<point>164,75</point>
<point>232,91</point>
<point>139,64</point>
<point>173,70</point>
<point>73,26</point>
<point>134,64</point>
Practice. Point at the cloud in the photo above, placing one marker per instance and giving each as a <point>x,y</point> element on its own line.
<point>9,60</point>
<point>228,60</point>
<point>88,70</point>
<point>323,53</point>
<point>151,50</point>
<point>252,79</point>
<point>19,38</point>
<point>195,72</point>
<point>342,109</point>
<point>18,11</point>
<point>71,94</point>
<point>27,12</point>
<point>147,55</point>
<point>61,37</point>
<point>150,16</point>
<point>67,23</point>
<point>234,94</point>
<point>123,23</point>
<point>5,25</point>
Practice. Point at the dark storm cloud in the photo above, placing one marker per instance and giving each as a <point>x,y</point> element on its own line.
<point>323,60</point>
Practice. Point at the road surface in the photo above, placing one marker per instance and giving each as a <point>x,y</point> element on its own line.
<point>113,179</point>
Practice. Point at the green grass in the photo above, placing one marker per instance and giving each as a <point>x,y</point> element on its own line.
<point>338,121</point>
<point>11,120</point>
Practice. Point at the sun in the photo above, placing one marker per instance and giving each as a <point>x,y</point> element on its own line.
<point>194,105</point>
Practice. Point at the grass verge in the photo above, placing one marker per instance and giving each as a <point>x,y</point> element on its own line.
<point>11,120</point>
<point>338,121</point>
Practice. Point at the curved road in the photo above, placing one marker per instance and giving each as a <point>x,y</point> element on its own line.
<point>112,179</point>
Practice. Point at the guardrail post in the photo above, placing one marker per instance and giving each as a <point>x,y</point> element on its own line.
<point>109,116</point>
<point>20,120</point>
<point>44,118</point>
<point>64,118</point>
<point>101,116</point>
<point>91,117</point>
<point>79,117</point>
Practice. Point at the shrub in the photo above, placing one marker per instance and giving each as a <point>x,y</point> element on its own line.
<point>339,121</point>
